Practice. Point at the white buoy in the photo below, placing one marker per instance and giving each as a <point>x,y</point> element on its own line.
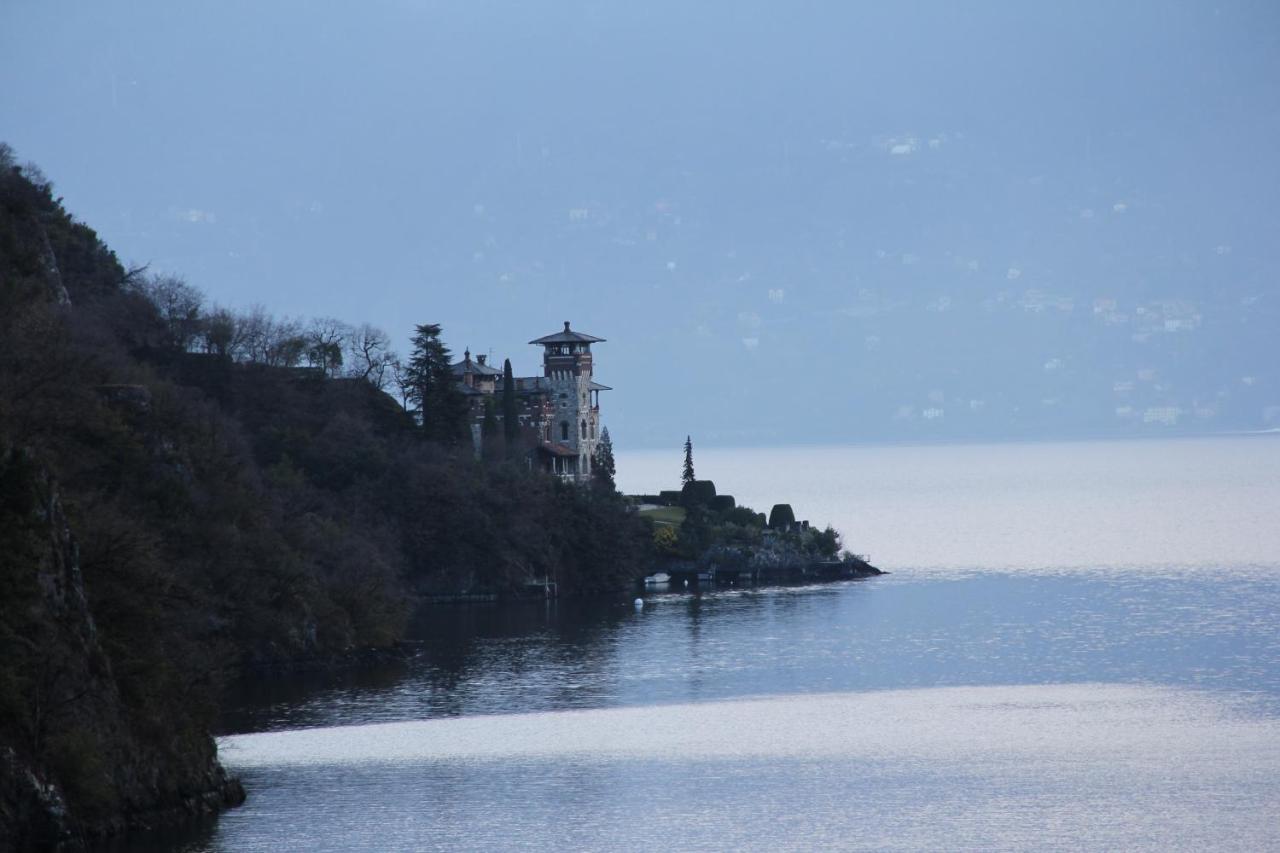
<point>639,604</point>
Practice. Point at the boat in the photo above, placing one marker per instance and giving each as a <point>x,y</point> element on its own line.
<point>659,578</point>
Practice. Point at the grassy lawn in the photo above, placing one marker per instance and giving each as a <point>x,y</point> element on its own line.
<point>671,515</point>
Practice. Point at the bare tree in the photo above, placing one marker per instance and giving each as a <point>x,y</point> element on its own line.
<point>133,277</point>
<point>255,334</point>
<point>326,339</point>
<point>223,334</point>
<point>286,342</point>
<point>403,382</point>
<point>266,340</point>
<point>370,354</point>
<point>179,305</point>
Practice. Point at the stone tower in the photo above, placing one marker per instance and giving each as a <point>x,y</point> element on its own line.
<point>566,369</point>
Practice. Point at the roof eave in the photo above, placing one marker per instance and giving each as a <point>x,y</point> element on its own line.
<point>568,338</point>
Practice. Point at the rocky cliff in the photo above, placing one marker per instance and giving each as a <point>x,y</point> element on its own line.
<point>78,760</point>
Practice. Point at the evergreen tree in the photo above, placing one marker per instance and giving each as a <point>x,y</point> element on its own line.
<point>687,477</point>
<point>510,414</point>
<point>602,465</point>
<point>431,388</point>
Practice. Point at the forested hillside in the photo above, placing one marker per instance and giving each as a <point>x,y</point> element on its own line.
<point>185,493</point>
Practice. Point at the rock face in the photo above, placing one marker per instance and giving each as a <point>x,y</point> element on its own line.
<point>77,760</point>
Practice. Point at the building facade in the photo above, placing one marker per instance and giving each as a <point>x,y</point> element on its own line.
<point>559,411</point>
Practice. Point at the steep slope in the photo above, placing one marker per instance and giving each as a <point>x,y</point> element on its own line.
<point>76,759</point>
<point>171,518</point>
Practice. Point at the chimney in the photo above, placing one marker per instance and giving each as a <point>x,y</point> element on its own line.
<point>481,358</point>
<point>566,325</point>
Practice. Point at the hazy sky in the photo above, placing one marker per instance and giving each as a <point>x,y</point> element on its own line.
<point>791,221</point>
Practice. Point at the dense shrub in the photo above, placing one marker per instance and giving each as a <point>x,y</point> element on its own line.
<point>744,516</point>
<point>781,516</point>
<point>699,493</point>
<point>666,541</point>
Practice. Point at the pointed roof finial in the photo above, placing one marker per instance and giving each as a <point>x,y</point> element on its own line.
<point>568,336</point>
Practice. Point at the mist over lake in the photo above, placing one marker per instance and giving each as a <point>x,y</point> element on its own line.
<point>1166,507</point>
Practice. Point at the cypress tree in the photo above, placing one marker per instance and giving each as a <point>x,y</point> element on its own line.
<point>687,477</point>
<point>602,465</point>
<point>510,415</point>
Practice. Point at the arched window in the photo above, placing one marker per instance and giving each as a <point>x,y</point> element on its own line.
<point>582,433</point>
<point>564,430</point>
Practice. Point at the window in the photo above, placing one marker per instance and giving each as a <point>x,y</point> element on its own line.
<point>564,430</point>
<point>583,432</point>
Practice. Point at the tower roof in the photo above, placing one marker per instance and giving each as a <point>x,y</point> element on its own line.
<point>568,336</point>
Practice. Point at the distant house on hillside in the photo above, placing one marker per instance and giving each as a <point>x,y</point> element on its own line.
<point>559,411</point>
<point>1166,415</point>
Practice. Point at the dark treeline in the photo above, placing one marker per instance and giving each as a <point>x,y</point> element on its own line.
<point>234,490</point>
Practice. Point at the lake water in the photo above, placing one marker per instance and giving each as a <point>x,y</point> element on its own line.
<point>1077,647</point>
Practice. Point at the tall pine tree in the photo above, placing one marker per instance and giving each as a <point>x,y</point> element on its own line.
<point>686,476</point>
<point>430,387</point>
<point>602,465</point>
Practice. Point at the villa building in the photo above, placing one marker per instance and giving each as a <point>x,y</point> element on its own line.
<point>559,411</point>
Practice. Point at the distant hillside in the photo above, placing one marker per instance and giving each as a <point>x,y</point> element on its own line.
<point>169,518</point>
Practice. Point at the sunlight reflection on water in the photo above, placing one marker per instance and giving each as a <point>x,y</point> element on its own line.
<point>1092,765</point>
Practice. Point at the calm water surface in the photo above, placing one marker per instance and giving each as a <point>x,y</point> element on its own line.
<point>1077,648</point>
